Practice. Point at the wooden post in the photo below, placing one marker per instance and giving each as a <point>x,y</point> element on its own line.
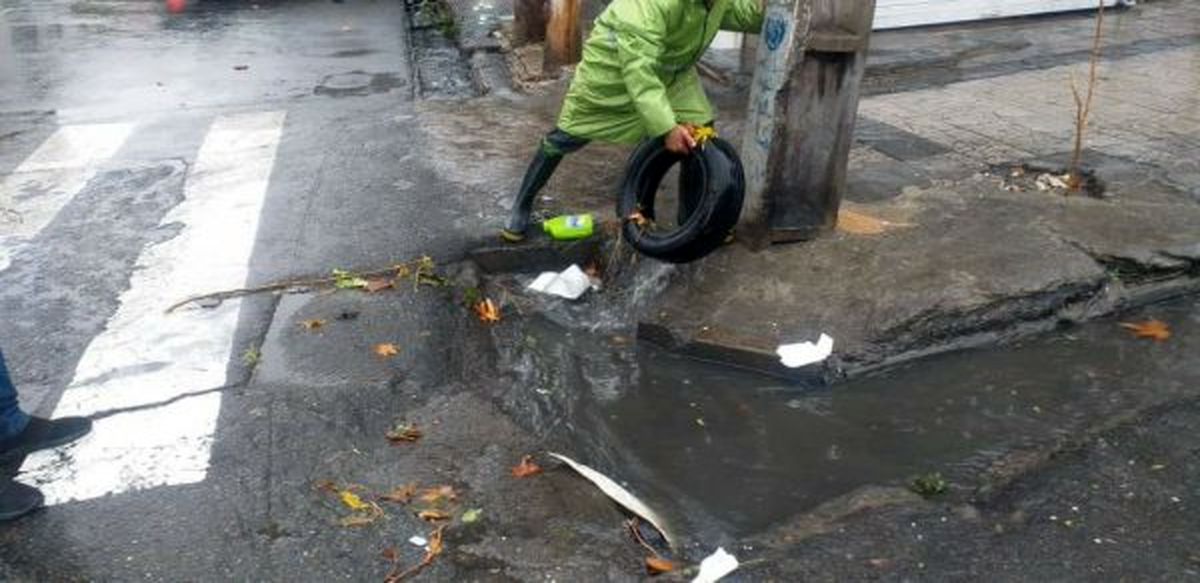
<point>529,22</point>
<point>564,36</point>
<point>800,126</point>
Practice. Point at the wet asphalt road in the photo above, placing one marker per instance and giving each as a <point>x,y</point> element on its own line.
<point>146,156</point>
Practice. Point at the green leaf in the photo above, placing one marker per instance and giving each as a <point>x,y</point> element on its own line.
<point>343,279</point>
<point>472,515</point>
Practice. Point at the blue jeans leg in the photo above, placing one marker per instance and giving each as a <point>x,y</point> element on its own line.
<point>12,419</point>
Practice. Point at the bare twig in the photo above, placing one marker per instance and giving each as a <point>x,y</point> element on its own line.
<point>435,549</point>
<point>1083,104</point>
<point>418,270</point>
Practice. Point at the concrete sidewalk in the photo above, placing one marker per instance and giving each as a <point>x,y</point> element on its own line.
<point>970,254</point>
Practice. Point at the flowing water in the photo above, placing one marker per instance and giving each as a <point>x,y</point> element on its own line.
<point>724,452</point>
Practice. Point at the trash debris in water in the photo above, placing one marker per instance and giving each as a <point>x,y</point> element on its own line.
<point>805,353</point>
<point>418,541</point>
<point>619,495</point>
<point>715,566</point>
<point>569,284</point>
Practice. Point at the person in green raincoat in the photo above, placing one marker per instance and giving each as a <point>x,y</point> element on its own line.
<point>637,80</point>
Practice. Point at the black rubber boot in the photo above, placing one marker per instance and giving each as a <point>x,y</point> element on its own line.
<point>17,499</point>
<point>539,173</point>
<point>43,434</point>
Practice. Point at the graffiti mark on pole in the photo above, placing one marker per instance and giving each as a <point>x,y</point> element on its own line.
<point>774,32</point>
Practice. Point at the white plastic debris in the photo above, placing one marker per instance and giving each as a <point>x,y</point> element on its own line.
<point>418,541</point>
<point>715,566</point>
<point>805,353</point>
<point>570,284</point>
<point>619,495</point>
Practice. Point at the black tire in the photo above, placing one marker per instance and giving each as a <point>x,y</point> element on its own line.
<point>712,187</point>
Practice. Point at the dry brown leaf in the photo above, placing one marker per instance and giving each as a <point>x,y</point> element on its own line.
<point>400,495</point>
<point>360,519</point>
<point>1152,329</point>
<point>386,350</point>
<point>435,544</point>
<point>390,555</point>
<point>593,270</point>
<point>313,324</point>
<point>378,284</point>
<point>657,565</point>
<point>439,493</point>
<point>638,219</point>
<point>404,433</point>
<point>433,515</point>
<point>487,311</point>
<point>526,468</point>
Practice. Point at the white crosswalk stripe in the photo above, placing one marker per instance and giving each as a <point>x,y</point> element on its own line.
<point>49,178</point>
<point>145,356</point>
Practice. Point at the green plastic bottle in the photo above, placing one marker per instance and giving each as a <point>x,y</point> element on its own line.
<point>569,227</point>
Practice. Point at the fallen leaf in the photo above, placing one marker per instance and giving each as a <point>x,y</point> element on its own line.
<point>351,500</point>
<point>438,494</point>
<point>400,495</point>
<point>433,515</point>
<point>435,544</point>
<point>593,270</point>
<point>526,468</point>
<point>378,284</point>
<point>386,350</point>
<point>343,279</point>
<point>389,554</point>
<point>638,219</point>
<point>404,432</point>
<point>360,519</point>
<point>487,311</point>
<point>1152,329</point>
<point>311,325</point>
<point>472,515</point>
<point>659,565</point>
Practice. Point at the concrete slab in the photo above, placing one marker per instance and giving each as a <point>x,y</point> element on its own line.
<point>977,265</point>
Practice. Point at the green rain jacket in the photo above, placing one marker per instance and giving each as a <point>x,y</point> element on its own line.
<point>638,74</point>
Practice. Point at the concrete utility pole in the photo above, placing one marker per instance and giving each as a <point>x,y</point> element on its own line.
<point>800,126</point>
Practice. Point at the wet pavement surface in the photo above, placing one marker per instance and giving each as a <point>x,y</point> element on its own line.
<point>144,153</point>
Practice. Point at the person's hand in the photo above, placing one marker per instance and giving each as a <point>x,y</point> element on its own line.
<point>679,140</point>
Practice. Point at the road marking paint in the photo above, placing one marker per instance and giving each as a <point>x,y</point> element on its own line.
<point>50,177</point>
<point>145,356</point>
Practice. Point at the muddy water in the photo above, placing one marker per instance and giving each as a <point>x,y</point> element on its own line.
<point>725,453</point>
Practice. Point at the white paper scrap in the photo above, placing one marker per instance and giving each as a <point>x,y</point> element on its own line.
<point>805,353</point>
<point>715,566</point>
<point>570,284</point>
<point>418,541</point>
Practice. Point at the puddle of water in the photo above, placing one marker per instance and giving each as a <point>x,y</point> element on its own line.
<point>724,452</point>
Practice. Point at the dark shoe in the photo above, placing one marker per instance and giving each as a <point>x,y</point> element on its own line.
<point>539,173</point>
<point>17,499</point>
<point>43,434</point>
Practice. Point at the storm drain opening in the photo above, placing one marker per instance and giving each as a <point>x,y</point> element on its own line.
<point>721,452</point>
<point>440,69</point>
